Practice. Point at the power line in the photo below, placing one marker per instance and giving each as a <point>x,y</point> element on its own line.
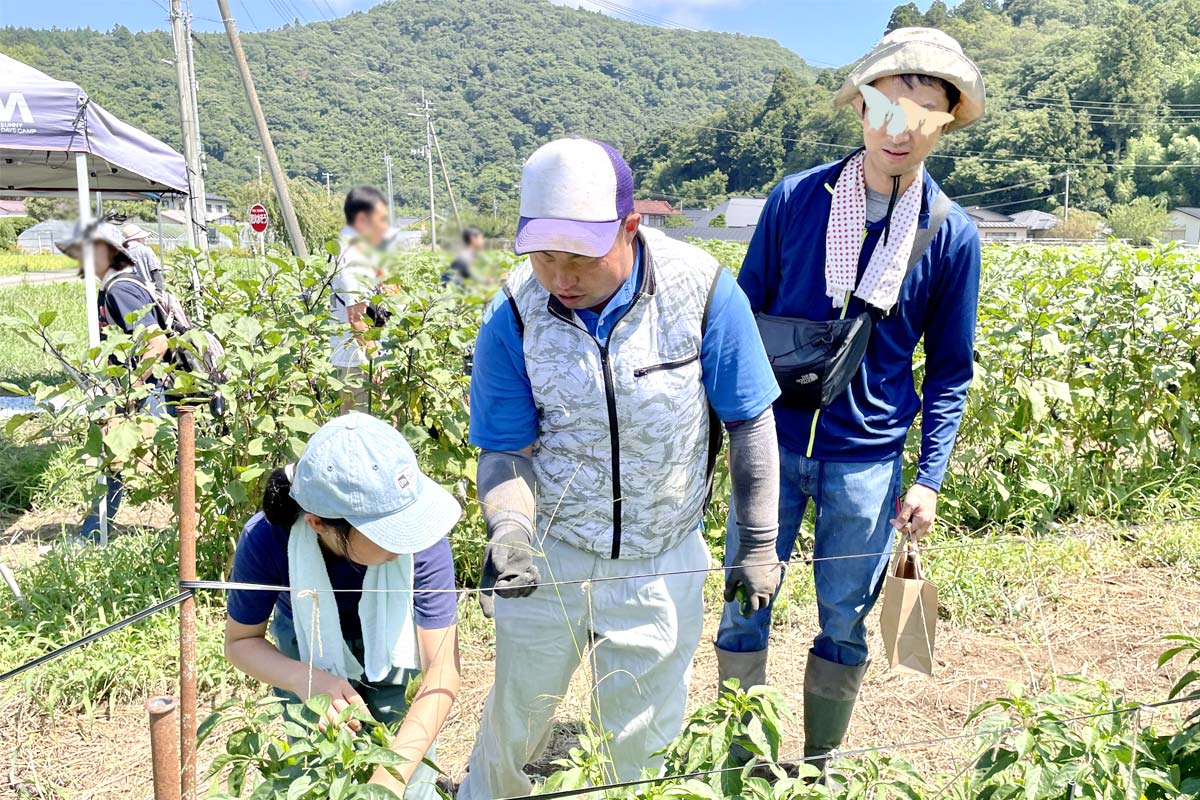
<point>1007,188</point>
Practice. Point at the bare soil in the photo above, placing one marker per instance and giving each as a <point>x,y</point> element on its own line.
<point>1108,625</point>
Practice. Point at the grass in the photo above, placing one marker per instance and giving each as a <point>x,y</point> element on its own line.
<point>72,592</point>
<point>21,362</point>
<point>20,263</point>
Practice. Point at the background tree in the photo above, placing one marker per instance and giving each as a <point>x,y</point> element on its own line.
<point>1141,221</point>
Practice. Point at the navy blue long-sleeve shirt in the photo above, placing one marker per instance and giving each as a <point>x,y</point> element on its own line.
<point>784,275</point>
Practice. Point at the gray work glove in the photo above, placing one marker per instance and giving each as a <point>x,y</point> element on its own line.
<point>508,568</point>
<point>755,568</point>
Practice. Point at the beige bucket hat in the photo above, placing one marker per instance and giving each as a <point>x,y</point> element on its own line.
<point>920,51</point>
<point>103,232</point>
<point>133,232</point>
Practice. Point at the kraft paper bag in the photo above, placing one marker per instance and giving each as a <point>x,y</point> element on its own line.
<point>908,618</point>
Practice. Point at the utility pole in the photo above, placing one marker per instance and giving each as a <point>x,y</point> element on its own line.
<point>191,134</point>
<point>258,158</point>
<point>387,163</point>
<point>424,112</point>
<point>201,166</point>
<point>328,193</point>
<point>445,175</point>
<point>264,135</point>
<point>1067,199</point>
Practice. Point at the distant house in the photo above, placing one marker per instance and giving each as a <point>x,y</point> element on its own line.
<point>742,212</point>
<point>216,209</point>
<point>1184,226</point>
<point>1039,223</point>
<point>708,232</point>
<point>655,212</point>
<point>996,227</point>
<point>12,208</point>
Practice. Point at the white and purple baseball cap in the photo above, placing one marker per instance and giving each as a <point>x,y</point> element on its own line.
<point>574,194</point>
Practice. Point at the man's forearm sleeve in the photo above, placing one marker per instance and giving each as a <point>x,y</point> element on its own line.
<point>754,472</point>
<point>504,483</point>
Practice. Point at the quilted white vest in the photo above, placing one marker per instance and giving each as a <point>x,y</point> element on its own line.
<point>622,456</point>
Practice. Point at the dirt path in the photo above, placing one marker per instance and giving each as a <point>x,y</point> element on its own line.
<point>1107,625</point>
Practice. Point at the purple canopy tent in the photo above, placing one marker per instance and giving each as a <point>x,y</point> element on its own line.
<point>48,126</point>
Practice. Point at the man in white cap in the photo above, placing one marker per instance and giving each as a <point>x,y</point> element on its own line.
<point>145,262</point>
<point>603,374</point>
<point>857,261</point>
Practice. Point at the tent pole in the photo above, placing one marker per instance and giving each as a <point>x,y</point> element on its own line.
<point>162,248</point>
<point>87,258</point>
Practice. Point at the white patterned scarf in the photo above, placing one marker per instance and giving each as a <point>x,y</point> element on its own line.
<point>880,284</point>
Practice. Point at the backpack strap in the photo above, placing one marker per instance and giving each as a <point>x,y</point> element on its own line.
<point>159,313</point>
<point>512,303</point>
<point>939,209</point>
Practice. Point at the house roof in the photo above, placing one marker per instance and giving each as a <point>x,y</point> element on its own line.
<point>1191,212</point>
<point>1035,220</point>
<point>742,212</point>
<point>12,208</point>
<point>659,207</point>
<point>986,215</point>
<point>742,234</point>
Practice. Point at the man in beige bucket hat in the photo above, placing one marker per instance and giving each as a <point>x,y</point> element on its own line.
<point>852,264</point>
<point>145,262</point>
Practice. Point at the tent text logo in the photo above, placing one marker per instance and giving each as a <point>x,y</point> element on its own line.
<point>15,105</point>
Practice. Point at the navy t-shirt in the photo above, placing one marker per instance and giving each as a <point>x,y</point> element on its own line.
<point>262,557</point>
<point>122,298</point>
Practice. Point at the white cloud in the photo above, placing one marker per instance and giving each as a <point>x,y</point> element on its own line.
<point>688,13</point>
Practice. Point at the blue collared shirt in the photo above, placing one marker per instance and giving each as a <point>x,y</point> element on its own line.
<point>734,368</point>
<point>784,274</point>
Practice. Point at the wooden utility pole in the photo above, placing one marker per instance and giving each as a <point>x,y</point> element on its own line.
<point>264,135</point>
<point>1067,199</point>
<point>191,133</point>
<point>424,113</point>
<point>445,175</point>
<point>387,163</point>
<point>328,193</point>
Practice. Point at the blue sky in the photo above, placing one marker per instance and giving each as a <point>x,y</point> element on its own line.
<point>826,32</point>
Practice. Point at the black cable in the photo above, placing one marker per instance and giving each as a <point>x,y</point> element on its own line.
<point>91,637</point>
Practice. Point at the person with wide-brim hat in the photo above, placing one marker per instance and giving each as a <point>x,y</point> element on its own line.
<point>869,249</point>
<point>145,261</point>
<point>124,303</point>
<point>359,534</point>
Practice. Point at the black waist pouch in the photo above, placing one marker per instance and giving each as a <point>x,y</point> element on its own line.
<point>814,361</point>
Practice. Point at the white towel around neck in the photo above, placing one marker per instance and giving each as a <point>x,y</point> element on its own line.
<point>385,610</point>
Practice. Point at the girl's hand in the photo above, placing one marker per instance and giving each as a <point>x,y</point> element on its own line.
<point>339,690</point>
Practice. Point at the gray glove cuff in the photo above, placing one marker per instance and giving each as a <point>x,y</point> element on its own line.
<point>754,473</point>
<point>504,483</point>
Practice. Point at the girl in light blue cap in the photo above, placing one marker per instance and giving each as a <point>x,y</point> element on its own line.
<point>358,533</point>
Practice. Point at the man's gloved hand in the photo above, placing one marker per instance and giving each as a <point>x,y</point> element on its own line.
<point>755,567</point>
<point>508,568</point>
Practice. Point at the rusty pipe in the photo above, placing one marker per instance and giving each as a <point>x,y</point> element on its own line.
<point>164,747</point>
<point>187,610</point>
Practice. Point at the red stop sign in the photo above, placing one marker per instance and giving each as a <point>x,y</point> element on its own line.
<point>258,217</point>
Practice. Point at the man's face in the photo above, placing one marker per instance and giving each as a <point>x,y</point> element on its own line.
<point>476,242</point>
<point>901,154</point>
<point>585,282</point>
<point>372,225</point>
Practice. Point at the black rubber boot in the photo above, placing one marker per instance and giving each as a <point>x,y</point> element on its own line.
<point>749,668</point>
<point>830,690</point>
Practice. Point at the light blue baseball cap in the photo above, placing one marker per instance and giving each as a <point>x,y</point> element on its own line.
<point>362,470</point>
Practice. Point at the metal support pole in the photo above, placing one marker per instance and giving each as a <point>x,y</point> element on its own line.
<point>433,242</point>
<point>264,135</point>
<point>87,258</point>
<point>187,609</point>
<point>164,747</point>
<point>387,161</point>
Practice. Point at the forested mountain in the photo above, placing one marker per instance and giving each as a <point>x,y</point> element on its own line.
<point>1085,85</point>
<point>502,75</point>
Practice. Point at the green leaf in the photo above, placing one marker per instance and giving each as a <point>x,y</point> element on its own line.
<point>373,792</point>
<point>122,438</point>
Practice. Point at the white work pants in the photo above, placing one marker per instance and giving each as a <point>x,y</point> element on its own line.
<point>642,632</point>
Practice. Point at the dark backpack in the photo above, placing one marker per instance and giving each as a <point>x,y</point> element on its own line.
<point>172,317</point>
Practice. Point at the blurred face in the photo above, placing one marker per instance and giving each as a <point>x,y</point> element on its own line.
<point>372,225</point>
<point>357,547</point>
<point>476,242</point>
<point>900,155</point>
<point>585,282</point>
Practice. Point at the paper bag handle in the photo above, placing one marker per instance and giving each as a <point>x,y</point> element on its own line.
<point>908,559</point>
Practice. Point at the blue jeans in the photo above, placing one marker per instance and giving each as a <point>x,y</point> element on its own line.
<point>855,504</point>
<point>156,406</point>
<point>386,700</point>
